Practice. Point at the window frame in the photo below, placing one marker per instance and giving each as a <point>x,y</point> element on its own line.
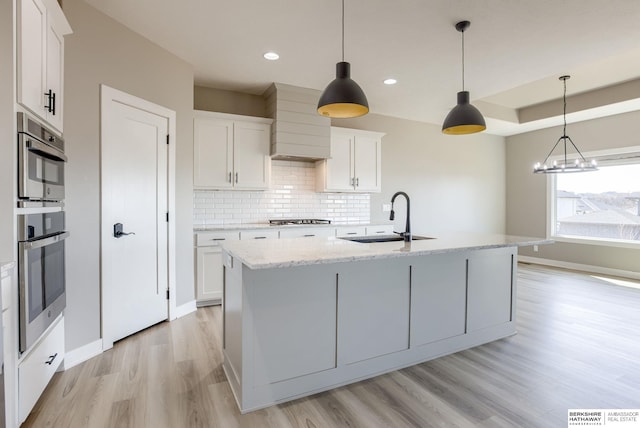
<point>609,156</point>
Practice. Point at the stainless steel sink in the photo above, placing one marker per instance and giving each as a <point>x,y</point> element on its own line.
<point>382,238</point>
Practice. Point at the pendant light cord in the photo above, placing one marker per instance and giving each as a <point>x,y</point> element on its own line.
<point>462,59</point>
<point>564,108</point>
<point>342,30</point>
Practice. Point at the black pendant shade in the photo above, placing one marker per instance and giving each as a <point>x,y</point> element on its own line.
<point>464,118</point>
<point>343,97</point>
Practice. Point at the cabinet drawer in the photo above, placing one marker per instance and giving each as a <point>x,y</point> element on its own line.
<point>307,232</point>
<point>351,231</point>
<point>386,229</point>
<point>37,369</point>
<point>210,239</point>
<point>259,234</point>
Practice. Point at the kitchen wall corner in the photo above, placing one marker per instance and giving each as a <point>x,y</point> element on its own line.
<point>145,70</point>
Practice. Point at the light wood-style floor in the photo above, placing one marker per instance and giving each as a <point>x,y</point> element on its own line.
<point>578,346</point>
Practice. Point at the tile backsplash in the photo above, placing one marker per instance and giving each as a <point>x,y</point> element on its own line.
<point>292,195</point>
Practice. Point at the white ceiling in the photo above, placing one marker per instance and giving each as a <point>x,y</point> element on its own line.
<point>515,50</point>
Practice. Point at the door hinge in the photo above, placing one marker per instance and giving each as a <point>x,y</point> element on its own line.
<point>167,294</point>
<point>167,216</point>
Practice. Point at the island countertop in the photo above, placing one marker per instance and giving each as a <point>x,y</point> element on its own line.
<point>283,253</point>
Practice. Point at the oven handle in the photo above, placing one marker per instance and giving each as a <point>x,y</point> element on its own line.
<point>45,150</point>
<point>29,245</point>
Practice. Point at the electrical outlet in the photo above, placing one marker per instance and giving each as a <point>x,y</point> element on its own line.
<point>386,208</point>
<point>535,248</point>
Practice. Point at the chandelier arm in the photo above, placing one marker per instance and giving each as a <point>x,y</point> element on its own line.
<point>554,147</point>
<point>564,110</point>
<point>575,147</point>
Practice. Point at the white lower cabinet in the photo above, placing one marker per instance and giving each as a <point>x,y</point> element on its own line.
<point>37,368</point>
<point>209,272</point>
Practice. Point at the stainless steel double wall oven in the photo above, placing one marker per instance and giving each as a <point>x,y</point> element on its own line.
<point>41,228</point>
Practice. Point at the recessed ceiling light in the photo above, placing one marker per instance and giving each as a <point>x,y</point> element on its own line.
<point>271,56</point>
<point>390,81</point>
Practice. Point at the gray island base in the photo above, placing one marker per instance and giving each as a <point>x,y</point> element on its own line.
<point>305,315</point>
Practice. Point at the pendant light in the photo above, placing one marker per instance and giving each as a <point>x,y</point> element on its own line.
<point>343,98</point>
<point>579,164</point>
<point>464,118</point>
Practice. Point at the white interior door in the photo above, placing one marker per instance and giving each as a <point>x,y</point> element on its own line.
<point>134,193</point>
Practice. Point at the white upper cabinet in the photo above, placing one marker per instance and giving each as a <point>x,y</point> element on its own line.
<point>212,153</point>
<point>230,151</point>
<point>339,173</point>
<point>251,155</point>
<point>40,59</point>
<point>355,163</point>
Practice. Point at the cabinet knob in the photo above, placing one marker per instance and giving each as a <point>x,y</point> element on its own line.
<point>236,177</point>
<point>230,178</point>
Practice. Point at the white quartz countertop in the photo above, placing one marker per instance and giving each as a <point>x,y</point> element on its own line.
<point>246,226</point>
<point>283,253</point>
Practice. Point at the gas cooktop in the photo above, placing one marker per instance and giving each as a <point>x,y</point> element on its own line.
<point>284,221</point>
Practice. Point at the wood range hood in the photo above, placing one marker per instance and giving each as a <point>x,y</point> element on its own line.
<point>298,131</point>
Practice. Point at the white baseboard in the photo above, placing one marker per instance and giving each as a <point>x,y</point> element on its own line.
<point>82,354</point>
<point>578,266</point>
<point>185,309</point>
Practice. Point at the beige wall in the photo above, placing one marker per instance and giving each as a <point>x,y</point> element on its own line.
<point>7,135</point>
<point>456,183</point>
<point>527,197</point>
<point>210,99</point>
<point>102,51</point>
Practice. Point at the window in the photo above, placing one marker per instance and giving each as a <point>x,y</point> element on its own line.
<point>601,206</point>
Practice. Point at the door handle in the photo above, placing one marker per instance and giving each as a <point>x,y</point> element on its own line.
<point>118,231</point>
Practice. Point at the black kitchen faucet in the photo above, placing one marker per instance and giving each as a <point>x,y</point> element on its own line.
<point>407,230</point>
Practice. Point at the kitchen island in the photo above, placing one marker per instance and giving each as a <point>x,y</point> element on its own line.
<point>305,315</point>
